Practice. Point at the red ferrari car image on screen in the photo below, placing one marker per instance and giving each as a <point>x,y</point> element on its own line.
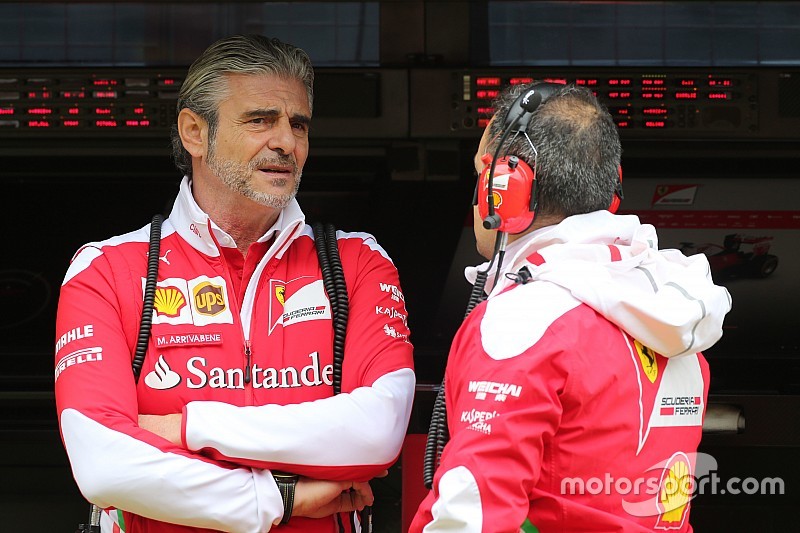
<point>738,256</point>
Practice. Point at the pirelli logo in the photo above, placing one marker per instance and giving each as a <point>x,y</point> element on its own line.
<point>79,357</point>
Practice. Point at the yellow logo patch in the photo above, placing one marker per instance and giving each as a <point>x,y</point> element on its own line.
<point>649,362</point>
<point>168,301</point>
<point>676,492</point>
<point>209,299</point>
<point>280,294</point>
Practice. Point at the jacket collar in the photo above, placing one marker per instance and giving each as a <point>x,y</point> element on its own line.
<point>583,237</point>
<point>612,263</point>
<point>203,234</point>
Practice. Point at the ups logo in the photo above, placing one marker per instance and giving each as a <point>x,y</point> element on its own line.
<point>209,299</point>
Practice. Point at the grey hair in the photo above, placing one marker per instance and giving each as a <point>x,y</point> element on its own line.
<point>577,149</point>
<point>206,84</point>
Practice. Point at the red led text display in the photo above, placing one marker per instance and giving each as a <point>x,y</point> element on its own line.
<point>644,101</point>
<point>84,101</point>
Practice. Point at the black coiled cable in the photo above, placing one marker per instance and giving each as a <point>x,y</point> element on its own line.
<point>477,295</point>
<point>333,280</point>
<point>142,339</point>
<point>438,434</point>
<point>332,276</point>
<point>342,309</point>
<point>336,287</point>
<point>149,295</point>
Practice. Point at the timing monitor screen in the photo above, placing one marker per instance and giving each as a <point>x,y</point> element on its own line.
<point>749,228</point>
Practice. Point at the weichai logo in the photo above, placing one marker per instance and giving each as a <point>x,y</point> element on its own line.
<point>209,299</point>
<point>169,301</point>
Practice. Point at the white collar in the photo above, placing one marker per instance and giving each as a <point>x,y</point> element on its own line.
<point>197,228</point>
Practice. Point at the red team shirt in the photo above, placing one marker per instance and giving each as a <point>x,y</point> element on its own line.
<point>228,333</point>
<point>575,401</point>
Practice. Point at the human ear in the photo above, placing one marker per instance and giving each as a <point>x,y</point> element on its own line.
<point>193,130</point>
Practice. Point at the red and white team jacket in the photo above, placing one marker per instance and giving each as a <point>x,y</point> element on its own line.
<point>221,339</point>
<point>575,401</point>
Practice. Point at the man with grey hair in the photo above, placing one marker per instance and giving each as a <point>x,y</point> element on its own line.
<point>575,391</point>
<point>235,425</point>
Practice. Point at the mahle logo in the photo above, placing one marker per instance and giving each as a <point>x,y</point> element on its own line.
<point>209,299</point>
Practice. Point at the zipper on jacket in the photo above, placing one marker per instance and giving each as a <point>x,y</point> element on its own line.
<point>247,355</point>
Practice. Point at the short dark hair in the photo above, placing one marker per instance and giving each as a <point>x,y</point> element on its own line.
<point>577,149</point>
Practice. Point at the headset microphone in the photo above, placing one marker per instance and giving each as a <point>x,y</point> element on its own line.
<point>509,200</point>
<point>531,100</point>
<point>492,220</point>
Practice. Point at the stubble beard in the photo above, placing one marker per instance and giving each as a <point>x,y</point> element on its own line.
<point>238,177</point>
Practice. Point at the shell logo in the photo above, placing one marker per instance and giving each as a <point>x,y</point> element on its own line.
<point>676,491</point>
<point>497,199</point>
<point>169,301</point>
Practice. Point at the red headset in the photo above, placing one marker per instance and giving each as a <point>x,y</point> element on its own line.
<point>514,193</point>
<point>618,194</point>
<point>512,181</point>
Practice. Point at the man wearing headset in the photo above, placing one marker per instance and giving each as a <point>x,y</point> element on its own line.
<point>237,382</point>
<point>575,393</point>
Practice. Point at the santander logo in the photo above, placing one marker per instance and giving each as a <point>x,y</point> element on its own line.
<point>162,377</point>
<point>200,374</point>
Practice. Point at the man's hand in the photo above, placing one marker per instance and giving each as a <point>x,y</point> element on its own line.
<point>315,498</point>
<point>167,426</point>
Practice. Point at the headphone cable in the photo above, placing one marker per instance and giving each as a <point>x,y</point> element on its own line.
<point>491,221</point>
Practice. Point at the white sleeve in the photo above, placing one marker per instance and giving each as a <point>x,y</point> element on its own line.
<point>167,486</point>
<point>364,427</point>
<point>458,508</point>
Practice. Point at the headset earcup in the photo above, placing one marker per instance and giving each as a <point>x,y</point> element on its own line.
<point>479,198</point>
<point>480,192</point>
<point>512,188</point>
<point>614,203</point>
<point>617,199</point>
